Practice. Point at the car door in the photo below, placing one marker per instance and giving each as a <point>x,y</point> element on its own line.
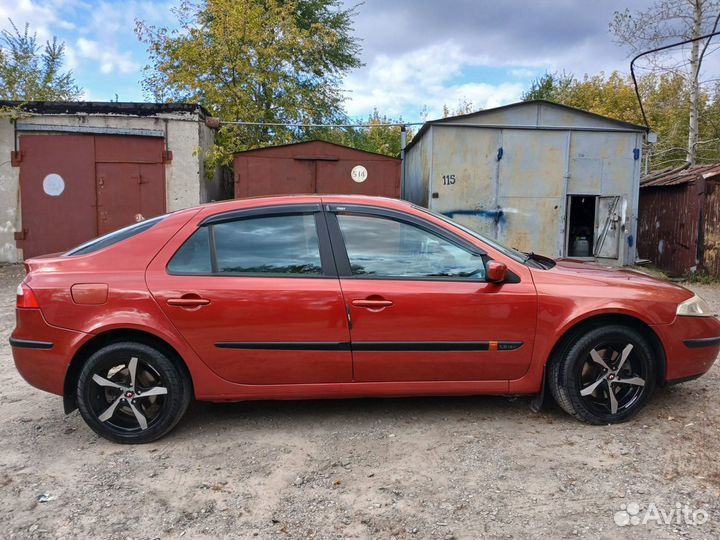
<point>419,304</point>
<point>256,295</point>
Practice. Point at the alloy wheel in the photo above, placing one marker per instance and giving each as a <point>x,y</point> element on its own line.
<point>127,396</point>
<point>612,378</point>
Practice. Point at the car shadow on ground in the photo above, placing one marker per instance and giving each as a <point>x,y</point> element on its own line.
<point>378,413</point>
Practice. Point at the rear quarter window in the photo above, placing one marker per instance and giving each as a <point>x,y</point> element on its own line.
<point>114,237</point>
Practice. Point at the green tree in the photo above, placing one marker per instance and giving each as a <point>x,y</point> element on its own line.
<point>264,61</point>
<point>30,72</point>
<point>549,87</point>
<point>372,135</point>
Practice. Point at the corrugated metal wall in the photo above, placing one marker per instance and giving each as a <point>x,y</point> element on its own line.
<point>668,226</point>
<point>711,229</point>
<point>508,173</point>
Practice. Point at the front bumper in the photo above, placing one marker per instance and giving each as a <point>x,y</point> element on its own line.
<point>43,352</point>
<point>691,346</point>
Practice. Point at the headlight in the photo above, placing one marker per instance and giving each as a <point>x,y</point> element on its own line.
<point>695,307</point>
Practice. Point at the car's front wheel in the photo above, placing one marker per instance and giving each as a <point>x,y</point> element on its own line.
<point>132,393</point>
<point>604,375</point>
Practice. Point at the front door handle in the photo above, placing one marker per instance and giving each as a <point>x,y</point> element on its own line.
<point>372,304</point>
<point>188,301</point>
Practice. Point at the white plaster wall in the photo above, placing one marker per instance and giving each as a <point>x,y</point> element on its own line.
<point>9,195</point>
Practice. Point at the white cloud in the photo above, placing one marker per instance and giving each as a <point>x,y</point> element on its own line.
<point>523,73</point>
<point>42,16</point>
<point>426,78</point>
<point>109,60</point>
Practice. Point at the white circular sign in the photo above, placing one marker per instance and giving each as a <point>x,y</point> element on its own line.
<point>53,184</point>
<point>359,174</point>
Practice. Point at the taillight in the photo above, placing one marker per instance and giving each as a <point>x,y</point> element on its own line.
<point>26,297</point>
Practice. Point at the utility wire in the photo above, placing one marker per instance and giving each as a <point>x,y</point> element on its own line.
<point>663,48</point>
<point>282,124</point>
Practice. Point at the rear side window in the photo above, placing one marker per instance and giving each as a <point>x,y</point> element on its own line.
<point>270,245</point>
<point>194,255</point>
<point>114,237</point>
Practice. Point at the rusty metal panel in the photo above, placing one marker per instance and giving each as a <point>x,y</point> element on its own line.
<point>533,163</point>
<point>530,224</point>
<point>463,180</point>
<point>668,220</point>
<point>382,177</point>
<point>127,193</point>
<point>93,191</point>
<point>532,190</point>
<point>257,176</point>
<point>590,152</point>
<point>119,149</point>
<point>315,167</point>
<point>711,228</point>
<point>57,192</point>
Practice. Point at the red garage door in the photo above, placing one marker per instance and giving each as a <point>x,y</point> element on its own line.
<point>76,187</point>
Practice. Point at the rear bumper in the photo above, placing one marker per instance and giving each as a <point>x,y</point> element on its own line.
<point>43,352</point>
<point>691,346</point>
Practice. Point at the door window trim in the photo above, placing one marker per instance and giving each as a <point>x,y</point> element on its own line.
<point>327,262</point>
<point>342,260</point>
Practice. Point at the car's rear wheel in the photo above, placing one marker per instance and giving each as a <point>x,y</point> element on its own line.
<point>604,375</point>
<point>132,393</point>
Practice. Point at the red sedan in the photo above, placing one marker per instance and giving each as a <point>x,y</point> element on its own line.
<point>332,297</point>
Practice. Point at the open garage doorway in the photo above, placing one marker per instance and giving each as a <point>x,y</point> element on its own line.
<point>581,224</point>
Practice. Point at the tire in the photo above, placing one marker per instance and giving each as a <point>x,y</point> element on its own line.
<point>126,411</point>
<point>582,386</point>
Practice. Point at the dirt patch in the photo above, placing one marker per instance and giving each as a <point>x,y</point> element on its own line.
<point>403,468</point>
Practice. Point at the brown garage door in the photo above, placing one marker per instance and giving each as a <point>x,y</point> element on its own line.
<point>315,167</point>
<point>76,187</point>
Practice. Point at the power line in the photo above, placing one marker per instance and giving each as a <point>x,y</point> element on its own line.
<point>283,124</point>
<point>658,49</point>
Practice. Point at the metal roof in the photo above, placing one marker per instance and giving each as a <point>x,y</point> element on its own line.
<point>676,177</point>
<point>440,121</point>
<point>312,142</point>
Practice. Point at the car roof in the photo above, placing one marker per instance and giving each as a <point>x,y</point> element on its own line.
<point>276,200</point>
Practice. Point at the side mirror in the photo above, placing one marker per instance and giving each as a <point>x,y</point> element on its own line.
<point>495,272</point>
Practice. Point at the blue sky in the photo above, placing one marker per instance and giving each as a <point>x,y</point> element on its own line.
<point>418,54</point>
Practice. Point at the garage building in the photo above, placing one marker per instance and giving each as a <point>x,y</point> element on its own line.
<point>70,171</point>
<point>315,167</point>
<point>535,175</point>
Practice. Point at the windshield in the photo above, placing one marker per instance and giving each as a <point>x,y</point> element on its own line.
<point>514,254</point>
<point>114,237</point>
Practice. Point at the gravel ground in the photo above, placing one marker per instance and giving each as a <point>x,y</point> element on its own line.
<point>404,468</point>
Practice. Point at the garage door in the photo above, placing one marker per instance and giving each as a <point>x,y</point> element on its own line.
<point>76,187</point>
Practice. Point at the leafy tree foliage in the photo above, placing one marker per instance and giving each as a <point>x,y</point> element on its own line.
<point>549,87</point>
<point>374,135</point>
<point>30,72</point>
<point>265,61</point>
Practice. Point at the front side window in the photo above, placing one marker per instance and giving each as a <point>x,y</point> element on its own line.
<point>273,245</point>
<point>383,247</point>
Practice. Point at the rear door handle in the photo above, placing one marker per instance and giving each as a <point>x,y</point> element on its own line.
<point>372,304</point>
<point>188,302</point>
